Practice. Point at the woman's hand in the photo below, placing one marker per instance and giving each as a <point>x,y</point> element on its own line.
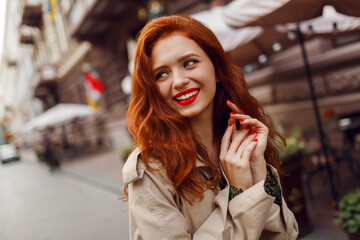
<point>235,151</point>
<point>257,128</point>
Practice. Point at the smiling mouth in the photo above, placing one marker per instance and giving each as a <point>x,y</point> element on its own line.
<point>187,97</point>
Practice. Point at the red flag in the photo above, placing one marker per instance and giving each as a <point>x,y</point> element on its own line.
<point>94,82</point>
<point>94,88</point>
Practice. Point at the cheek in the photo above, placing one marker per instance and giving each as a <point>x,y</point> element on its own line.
<point>211,73</point>
<point>164,89</point>
<point>211,77</point>
<point>214,81</point>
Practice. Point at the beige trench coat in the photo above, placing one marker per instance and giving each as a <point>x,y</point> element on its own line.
<point>157,212</point>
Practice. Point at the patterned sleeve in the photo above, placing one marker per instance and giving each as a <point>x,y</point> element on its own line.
<point>234,192</point>
<point>271,187</point>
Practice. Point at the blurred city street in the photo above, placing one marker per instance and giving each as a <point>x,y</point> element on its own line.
<point>66,70</point>
<point>39,204</point>
<point>80,201</point>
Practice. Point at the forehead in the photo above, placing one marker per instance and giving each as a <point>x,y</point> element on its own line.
<point>174,44</point>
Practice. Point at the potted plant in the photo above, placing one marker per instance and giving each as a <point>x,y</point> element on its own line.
<point>295,147</point>
<point>39,152</point>
<point>292,186</point>
<point>125,150</point>
<point>349,214</point>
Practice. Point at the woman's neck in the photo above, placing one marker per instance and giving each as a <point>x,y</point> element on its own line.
<point>203,128</point>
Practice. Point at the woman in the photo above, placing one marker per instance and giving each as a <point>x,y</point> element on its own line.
<point>198,173</point>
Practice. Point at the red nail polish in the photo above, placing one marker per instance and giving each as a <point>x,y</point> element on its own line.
<point>253,132</point>
<point>242,121</point>
<point>232,113</point>
<point>227,100</point>
<point>231,123</point>
<point>255,140</point>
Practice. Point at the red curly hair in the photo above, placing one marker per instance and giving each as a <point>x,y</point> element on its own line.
<point>165,135</point>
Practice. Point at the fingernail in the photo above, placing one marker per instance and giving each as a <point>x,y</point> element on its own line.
<point>232,113</point>
<point>242,121</point>
<point>231,123</point>
<point>228,101</point>
<point>255,140</point>
<point>253,132</point>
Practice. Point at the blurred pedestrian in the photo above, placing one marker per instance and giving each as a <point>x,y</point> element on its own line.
<point>207,157</point>
<point>49,153</point>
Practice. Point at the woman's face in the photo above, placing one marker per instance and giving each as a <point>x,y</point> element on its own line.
<point>185,76</point>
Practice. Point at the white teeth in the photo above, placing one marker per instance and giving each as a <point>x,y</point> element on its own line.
<point>187,96</point>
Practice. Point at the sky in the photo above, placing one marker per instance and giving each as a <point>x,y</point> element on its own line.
<point>2,24</point>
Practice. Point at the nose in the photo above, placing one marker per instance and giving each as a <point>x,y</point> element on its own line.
<point>180,80</point>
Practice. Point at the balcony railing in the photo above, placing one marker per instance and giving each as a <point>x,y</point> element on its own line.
<point>26,34</point>
<point>44,80</point>
<point>31,12</point>
<point>79,11</point>
<point>47,73</point>
<point>11,62</point>
<point>89,18</point>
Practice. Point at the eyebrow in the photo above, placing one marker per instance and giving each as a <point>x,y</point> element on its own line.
<point>182,58</point>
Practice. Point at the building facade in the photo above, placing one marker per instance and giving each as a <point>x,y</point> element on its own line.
<point>63,36</point>
<point>283,87</point>
<point>58,39</point>
<point>17,105</point>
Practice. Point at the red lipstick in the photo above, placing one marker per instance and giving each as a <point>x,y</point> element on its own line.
<point>189,100</point>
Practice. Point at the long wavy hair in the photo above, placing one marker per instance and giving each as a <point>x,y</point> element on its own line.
<point>165,135</point>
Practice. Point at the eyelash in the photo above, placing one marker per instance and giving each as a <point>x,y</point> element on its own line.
<point>190,61</point>
<point>186,64</point>
<point>160,75</point>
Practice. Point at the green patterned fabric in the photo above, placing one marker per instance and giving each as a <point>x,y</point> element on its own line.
<point>271,187</point>
<point>234,192</point>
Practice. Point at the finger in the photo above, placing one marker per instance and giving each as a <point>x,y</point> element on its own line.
<point>248,150</point>
<point>253,122</point>
<point>239,116</point>
<point>225,141</point>
<point>233,107</point>
<point>238,120</point>
<point>237,140</point>
<point>245,143</point>
<point>234,128</point>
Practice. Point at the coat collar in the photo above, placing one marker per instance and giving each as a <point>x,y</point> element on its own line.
<point>134,167</point>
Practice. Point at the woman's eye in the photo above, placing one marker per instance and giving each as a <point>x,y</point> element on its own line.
<point>160,75</point>
<point>190,62</point>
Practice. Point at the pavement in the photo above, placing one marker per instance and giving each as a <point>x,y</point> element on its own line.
<point>37,204</point>
<point>104,170</point>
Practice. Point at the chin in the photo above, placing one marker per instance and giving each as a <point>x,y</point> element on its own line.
<point>189,114</point>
